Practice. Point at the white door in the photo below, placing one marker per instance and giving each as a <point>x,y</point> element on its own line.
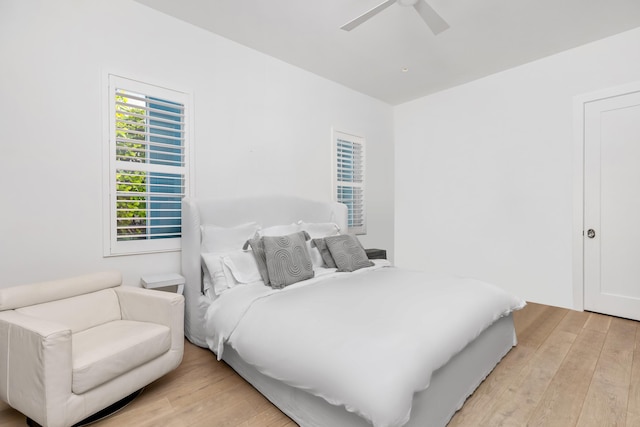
<point>612,205</point>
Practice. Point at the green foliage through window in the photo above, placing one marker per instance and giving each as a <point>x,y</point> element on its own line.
<point>131,209</point>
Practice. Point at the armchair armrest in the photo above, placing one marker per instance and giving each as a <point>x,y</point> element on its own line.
<point>147,305</point>
<point>35,366</point>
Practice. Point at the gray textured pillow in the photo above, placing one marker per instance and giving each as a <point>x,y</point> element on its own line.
<point>257,247</point>
<point>321,245</point>
<point>288,260</point>
<point>347,252</point>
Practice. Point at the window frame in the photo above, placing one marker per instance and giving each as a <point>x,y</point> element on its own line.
<point>361,141</point>
<point>113,82</point>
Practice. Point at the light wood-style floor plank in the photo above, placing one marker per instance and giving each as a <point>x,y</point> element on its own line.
<point>486,396</point>
<point>607,398</point>
<point>524,319</point>
<point>9,417</point>
<point>544,324</point>
<point>574,321</point>
<point>598,322</point>
<point>569,369</point>
<point>633,407</point>
<point>515,406</point>
<point>563,400</point>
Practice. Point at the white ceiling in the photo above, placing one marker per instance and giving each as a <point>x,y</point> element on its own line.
<point>486,36</point>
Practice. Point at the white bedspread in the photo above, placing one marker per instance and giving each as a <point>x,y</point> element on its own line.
<point>366,340</point>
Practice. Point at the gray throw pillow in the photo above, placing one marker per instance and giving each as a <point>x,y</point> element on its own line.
<point>321,245</point>
<point>257,247</point>
<point>347,252</point>
<point>288,260</point>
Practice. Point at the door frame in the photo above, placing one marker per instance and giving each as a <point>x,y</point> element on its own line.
<point>579,102</point>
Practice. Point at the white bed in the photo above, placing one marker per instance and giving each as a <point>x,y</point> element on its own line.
<point>448,385</point>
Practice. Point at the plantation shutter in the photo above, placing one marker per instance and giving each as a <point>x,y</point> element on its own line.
<point>149,172</point>
<point>350,178</point>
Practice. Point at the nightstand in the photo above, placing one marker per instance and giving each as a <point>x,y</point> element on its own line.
<point>164,282</point>
<point>376,253</point>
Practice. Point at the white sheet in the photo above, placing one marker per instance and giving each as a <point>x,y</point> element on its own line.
<point>367,340</point>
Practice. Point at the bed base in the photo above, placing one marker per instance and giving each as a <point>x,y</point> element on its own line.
<point>450,385</point>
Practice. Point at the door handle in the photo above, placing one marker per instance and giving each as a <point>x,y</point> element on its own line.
<point>591,233</point>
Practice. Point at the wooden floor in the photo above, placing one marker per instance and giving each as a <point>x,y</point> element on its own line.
<point>569,369</point>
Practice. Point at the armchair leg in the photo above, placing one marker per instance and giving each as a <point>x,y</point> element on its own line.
<point>104,413</point>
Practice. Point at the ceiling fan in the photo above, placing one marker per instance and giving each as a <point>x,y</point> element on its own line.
<point>434,21</point>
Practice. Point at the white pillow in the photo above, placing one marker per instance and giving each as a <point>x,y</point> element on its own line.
<point>217,239</point>
<point>218,277</point>
<point>318,230</point>
<point>279,230</point>
<point>243,266</point>
<point>228,269</point>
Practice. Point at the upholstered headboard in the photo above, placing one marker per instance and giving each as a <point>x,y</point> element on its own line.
<point>267,211</point>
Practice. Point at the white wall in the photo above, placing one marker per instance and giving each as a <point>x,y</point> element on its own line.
<point>261,126</point>
<point>484,171</point>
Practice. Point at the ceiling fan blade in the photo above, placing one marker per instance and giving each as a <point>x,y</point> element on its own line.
<point>367,15</point>
<point>431,17</point>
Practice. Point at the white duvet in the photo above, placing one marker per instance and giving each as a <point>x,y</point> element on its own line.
<point>366,340</point>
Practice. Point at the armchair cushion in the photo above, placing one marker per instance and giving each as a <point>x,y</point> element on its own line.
<point>109,350</point>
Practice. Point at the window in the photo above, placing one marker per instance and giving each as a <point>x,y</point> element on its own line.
<point>148,174</point>
<point>349,178</point>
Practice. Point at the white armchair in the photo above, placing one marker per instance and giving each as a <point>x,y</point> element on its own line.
<point>70,348</point>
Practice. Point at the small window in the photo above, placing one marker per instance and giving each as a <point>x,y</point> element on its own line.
<point>148,166</point>
<point>349,178</point>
